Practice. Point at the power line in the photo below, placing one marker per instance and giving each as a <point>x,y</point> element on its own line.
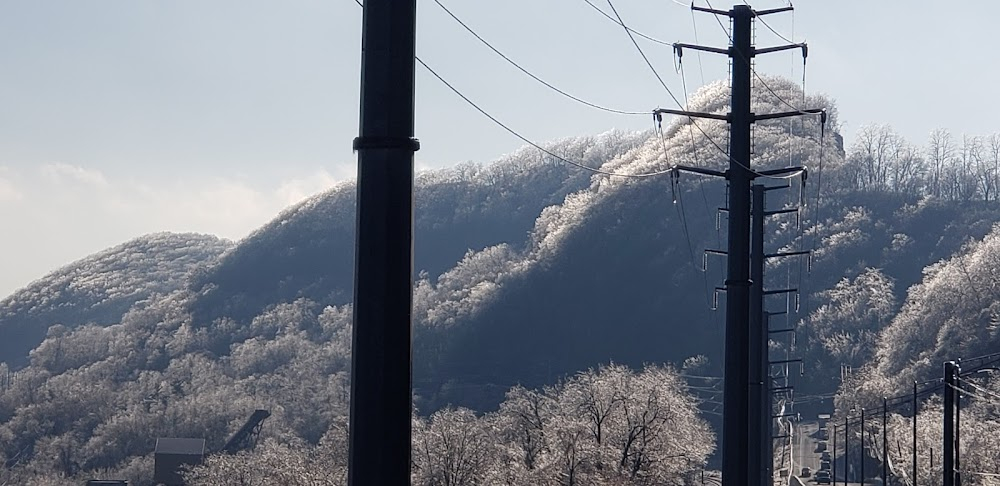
<point>642,53</point>
<point>756,75</point>
<point>701,184</point>
<point>677,101</point>
<point>657,74</point>
<point>577,164</point>
<point>977,473</point>
<point>522,137</point>
<point>701,67</point>
<point>694,148</point>
<point>775,32</point>
<point>531,75</point>
<point>640,34</point>
<point>981,389</point>
<point>991,400</point>
<point>529,142</point>
<point>782,100</point>
<point>679,206</point>
<point>902,400</point>
<point>701,377</point>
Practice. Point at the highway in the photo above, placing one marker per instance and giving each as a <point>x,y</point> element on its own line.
<point>804,448</point>
<point>805,454</point>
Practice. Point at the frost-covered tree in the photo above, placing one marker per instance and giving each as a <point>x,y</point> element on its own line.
<point>953,312</point>
<point>856,311</point>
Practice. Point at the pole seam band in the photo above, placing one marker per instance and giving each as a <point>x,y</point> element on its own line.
<point>407,143</point>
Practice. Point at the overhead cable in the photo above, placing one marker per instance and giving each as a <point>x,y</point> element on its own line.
<point>775,32</point>
<point>525,139</point>
<point>529,73</point>
<point>533,144</point>
<point>677,101</point>
<point>754,71</point>
<point>640,34</point>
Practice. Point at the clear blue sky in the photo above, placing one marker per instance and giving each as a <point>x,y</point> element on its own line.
<point>123,117</point>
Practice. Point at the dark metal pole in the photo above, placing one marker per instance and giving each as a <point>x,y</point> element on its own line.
<point>381,394</point>
<point>915,433</point>
<point>735,438</point>
<point>847,447</point>
<point>885,441</point>
<point>949,424</point>
<point>862,446</point>
<point>833,464</point>
<point>958,422</point>
<point>758,347</point>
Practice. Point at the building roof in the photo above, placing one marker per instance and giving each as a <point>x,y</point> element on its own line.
<point>182,446</point>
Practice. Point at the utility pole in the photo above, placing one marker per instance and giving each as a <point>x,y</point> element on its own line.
<point>760,364</point>
<point>847,447</point>
<point>914,433</point>
<point>862,446</point>
<point>759,368</point>
<point>950,370</point>
<point>381,393</point>
<point>833,463</point>
<point>885,439</point>
<point>736,445</point>
<point>958,422</point>
<point>738,449</point>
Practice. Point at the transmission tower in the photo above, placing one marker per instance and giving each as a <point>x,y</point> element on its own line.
<point>745,394</point>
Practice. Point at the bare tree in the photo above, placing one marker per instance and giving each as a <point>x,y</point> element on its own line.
<point>940,150</point>
<point>452,448</point>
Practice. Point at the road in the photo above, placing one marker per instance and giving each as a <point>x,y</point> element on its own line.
<point>804,454</point>
<point>804,447</point>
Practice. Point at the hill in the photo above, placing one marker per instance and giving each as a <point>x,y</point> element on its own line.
<point>100,288</point>
<point>308,250</point>
<point>528,272</point>
<point>177,364</point>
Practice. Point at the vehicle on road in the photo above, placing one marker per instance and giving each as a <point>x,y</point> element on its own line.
<point>820,447</point>
<point>822,477</point>
<point>806,472</point>
<point>824,456</point>
<point>824,466</point>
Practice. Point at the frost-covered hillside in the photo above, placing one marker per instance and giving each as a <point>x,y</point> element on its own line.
<point>527,272</point>
<point>100,288</point>
<point>308,250</point>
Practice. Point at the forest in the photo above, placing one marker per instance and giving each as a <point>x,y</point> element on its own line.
<point>564,322</point>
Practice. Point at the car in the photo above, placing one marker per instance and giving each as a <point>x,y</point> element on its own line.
<point>822,477</point>
<point>824,466</point>
<point>820,447</point>
<point>806,472</point>
<point>825,456</point>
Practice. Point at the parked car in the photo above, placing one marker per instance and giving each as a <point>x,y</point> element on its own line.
<point>806,472</point>
<point>820,447</point>
<point>824,456</point>
<point>822,477</point>
<point>824,466</point>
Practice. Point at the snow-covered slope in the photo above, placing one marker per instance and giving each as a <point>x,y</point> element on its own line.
<point>100,288</point>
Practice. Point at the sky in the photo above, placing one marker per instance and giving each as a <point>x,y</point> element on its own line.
<point>125,117</point>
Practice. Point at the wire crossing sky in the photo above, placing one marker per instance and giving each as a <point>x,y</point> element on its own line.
<point>122,118</point>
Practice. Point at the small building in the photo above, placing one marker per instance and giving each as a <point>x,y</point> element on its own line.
<point>172,455</point>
